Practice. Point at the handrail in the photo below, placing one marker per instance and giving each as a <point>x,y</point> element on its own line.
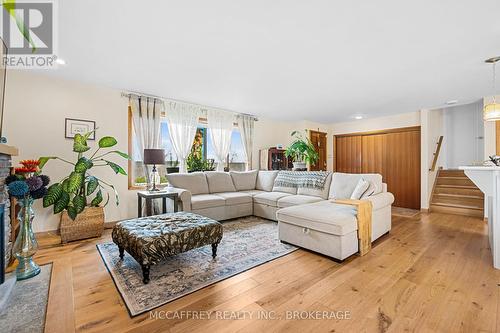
<point>436,153</point>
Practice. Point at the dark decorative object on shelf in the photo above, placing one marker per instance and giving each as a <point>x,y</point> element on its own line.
<point>495,159</point>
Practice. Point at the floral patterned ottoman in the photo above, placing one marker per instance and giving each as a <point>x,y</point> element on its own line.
<point>151,239</point>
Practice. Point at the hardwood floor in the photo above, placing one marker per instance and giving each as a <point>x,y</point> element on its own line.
<point>432,273</point>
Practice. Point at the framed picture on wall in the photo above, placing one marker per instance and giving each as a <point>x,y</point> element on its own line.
<point>78,126</point>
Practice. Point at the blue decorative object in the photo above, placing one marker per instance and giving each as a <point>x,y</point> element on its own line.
<point>18,189</point>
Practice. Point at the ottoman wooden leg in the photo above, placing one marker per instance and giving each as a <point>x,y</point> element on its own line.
<point>214,250</point>
<point>122,251</point>
<point>145,274</point>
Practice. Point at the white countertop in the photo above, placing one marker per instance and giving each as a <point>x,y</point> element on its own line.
<point>480,168</point>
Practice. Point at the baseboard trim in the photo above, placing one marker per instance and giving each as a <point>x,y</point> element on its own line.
<point>425,210</point>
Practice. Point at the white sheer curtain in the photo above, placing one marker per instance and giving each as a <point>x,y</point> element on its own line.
<point>182,123</point>
<point>220,124</point>
<point>146,114</point>
<point>246,126</point>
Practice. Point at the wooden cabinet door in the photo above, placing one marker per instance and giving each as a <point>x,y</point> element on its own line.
<point>402,168</point>
<point>348,154</point>
<point>318,139</point>
<point>373,149</point>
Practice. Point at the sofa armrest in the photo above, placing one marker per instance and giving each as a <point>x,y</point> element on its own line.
<point>183,199</point>
<point>381,200</point>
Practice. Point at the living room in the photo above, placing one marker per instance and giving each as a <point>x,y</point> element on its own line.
<point>308,178</point>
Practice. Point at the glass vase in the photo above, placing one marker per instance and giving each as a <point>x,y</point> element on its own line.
<point>26,245</point>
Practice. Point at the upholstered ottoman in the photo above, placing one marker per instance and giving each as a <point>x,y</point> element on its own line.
<point>151,239</point>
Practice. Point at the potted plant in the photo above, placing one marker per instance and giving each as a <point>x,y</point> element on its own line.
<point>80,195</point>
<point>301,151</point>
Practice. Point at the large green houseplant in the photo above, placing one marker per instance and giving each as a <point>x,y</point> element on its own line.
<point>301,151</point>
<point>81,188</point>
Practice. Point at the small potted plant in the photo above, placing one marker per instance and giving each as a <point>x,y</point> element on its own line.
<point>301,151</point>
<point>80,195</point>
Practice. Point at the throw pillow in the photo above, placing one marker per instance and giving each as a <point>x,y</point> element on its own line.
<point>360,189</point>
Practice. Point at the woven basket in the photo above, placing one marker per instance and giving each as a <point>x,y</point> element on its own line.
<point>88,224</point>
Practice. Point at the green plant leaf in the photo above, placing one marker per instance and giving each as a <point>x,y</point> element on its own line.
<point>65,185</point>
<point>75,181</point>
<point>44,160</point>
<point>83,165</point>
<point>72,212</point>
<point>62,203</point>
<point>79,202</point>
<point>116,168</point>
<point>107,141</point>
<point>80,144</point>
<point>122,154</point>
<point>54,192</point>
<point>92,185</point>
<point>97,199</point>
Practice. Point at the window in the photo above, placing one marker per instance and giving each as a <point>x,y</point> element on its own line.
<point>202,143</point>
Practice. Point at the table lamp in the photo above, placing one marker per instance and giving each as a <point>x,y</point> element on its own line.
<point>154,157</point>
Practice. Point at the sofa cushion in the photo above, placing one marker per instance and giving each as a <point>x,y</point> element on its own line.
<point>201,201</point>
<point>361,188</point>
<point>195,182</point>
<point>317,193</point>
<point>235,198</point>
<point>343,184</point>
<point>323,216</point>
<point>269,198</point>
<point>254,192</point>
<point>219,182</point>
<point>245,180</point>
<point>265,180</point>
<point>294,200</point>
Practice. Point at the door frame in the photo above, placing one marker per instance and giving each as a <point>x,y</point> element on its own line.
<point>326,141</point>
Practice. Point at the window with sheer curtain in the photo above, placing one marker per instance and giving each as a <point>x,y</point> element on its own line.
<point>235,158</point>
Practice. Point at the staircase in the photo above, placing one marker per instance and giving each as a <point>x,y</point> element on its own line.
<point>455,193</point>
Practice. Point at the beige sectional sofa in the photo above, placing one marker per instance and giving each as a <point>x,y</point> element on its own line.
<point>306,217</point>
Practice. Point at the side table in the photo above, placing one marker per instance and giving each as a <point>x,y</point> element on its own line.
<point>149,196</point>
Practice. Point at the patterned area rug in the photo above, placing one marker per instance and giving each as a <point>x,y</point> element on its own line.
<point>247,243</point>
<point>404,212</point>
<point>27,306</point>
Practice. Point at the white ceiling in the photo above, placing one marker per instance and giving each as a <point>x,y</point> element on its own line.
<point>312,60</point>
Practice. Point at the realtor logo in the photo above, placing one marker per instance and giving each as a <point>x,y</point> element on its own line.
<point>28,31</point>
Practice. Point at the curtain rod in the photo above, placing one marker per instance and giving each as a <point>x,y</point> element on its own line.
<point>137,95</point>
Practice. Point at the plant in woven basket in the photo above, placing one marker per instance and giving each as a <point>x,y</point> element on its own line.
<point>81,188</point>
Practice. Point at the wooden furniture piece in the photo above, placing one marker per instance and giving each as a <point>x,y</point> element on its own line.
<point>149,196</point>
<point>364,216</point>
<point>487,178</point>
<point>274,159</point>
<point>164,236</point>
<point>318,139</point>
<point>393,153</point>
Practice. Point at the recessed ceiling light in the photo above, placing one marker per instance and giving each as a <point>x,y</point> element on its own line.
<point>60,61</point>
<point>358,117</point>
<point>453,101</point>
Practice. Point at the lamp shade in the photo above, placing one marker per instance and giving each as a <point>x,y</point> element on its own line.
<point>154,156</point>
<point>491,112</point>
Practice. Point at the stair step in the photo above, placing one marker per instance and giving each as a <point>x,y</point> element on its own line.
<point>456,181</point>
<point>455,201</point>
<point>452,173</point>
<point>457,210</point>
<point>453,195</point>
<point>458,190</point>
<point>457,206</point>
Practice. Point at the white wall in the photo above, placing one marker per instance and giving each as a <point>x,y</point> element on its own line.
<point>431,129</point>
<point>490,133</point>
<point>380,123</point>
<point>463,135</point>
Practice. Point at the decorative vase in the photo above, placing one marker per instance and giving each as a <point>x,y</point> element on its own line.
<point>26,245</point>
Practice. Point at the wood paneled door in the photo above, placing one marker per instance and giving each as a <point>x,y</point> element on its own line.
<point>318,139</point>
<point>394,153</point>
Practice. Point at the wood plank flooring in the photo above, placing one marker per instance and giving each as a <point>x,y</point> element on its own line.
<point>432,273</point>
